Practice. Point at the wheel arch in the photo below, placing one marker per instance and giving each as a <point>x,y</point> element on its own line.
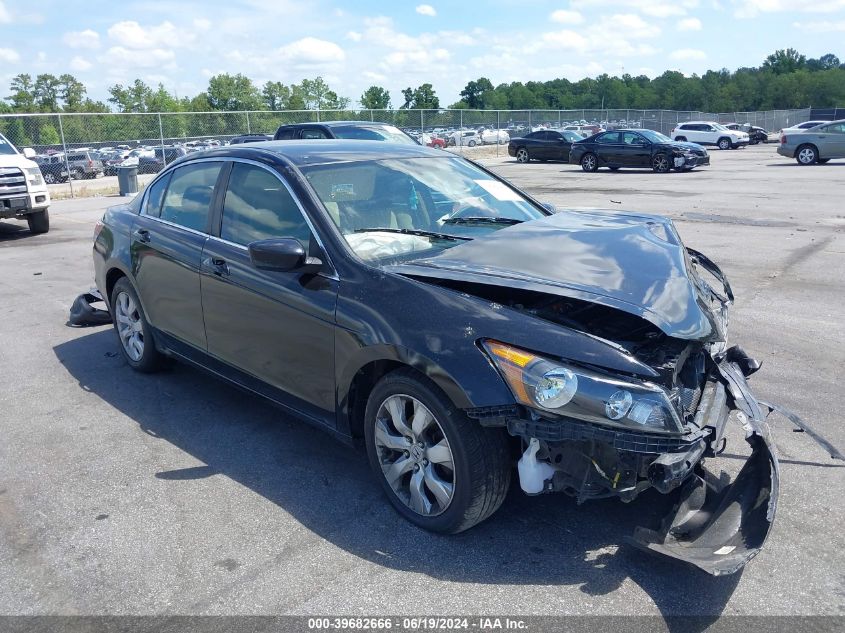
<point>807,144</point>
<point>370,365</point>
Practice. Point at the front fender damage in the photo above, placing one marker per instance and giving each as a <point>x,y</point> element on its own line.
<point>719,526</point>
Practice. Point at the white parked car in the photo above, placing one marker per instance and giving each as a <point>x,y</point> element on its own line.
<point>470,138</point>
<point>709,133</point>
<point>23,192</point>
<point>800,127</point>
<point>492,137</point>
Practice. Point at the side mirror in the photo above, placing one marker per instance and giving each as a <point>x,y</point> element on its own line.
<point>28,152</point>
<point>548,206</point>
<point>282,254</point>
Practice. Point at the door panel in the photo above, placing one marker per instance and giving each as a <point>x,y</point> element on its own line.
<point>166,255</point>
<point>275,326</point>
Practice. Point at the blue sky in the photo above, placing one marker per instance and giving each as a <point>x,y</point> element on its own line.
<point>398,44</point>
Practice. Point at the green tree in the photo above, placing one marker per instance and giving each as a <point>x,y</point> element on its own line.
<point>474,93</point>
<point>46,92</point>
<point>318,96</point>
<point>422,98</point>
<point>132,98</point>
<point>275,95</point>
<point>233,92</point>
<point>71,92</point>
<point>22,97</point>
<point>785,61</point>
<point>48,135</point>
<point>375,98</point>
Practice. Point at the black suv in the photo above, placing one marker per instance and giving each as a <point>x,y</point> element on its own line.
<point>411,301</point>
<point>357,130</point>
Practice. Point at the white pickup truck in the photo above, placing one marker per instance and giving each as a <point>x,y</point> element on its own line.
<point>23,192</point>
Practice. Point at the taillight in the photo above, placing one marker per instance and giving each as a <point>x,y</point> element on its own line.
<point>90,163</point>
<point>783,139</point>
<point>98,228</point>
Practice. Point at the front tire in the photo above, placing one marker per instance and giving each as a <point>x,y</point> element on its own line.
<point>522,155</point>
<point>589,162</point>
<point>724,143</point>
<point>440,470</point>
<point>38,222</point>
<point>133,330</point>
<point>807,155</point>
<point>50,178</point>
<point>661,163</point>
<point>681,139</point>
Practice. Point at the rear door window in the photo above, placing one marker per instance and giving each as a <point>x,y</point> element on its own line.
<point>190,194</point>
<point>609,137</point>
<point>313,133</point>
<point>155,196</point>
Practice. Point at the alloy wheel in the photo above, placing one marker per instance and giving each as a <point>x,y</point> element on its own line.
<point>50,179</point>
<point>661,163</point>
<point>588,163</point>
<point>522,155</point>
<point>807,156</point>
<point>724,144</point>
<point>129,326</point>
<point>414,455</point>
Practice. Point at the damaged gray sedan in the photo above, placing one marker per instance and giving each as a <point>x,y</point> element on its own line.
<point>412,302</point>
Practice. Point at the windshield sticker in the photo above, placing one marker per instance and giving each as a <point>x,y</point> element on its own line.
<point>344,190</point>
<point>499,190</point>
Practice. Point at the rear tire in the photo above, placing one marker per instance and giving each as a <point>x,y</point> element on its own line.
<point>424,490</point>
<point>589,162</point>
<point>807,155</point>
<point>39,222</point>
<point>133,331</point>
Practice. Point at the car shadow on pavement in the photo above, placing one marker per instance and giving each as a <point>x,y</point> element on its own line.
<point>328,487</point>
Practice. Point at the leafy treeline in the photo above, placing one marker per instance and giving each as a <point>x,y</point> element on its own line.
<point>786,79</point>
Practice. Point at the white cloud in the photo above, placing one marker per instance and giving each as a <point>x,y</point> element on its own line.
<point>82,39</point>
<point>562,16</point>
<point>689,24</point>
<point>355,36</point>
<point>752,8</point>
<point>130,34</point>
<point>311,51</point>
<point>79,64</point>
<point>631,26</point>
<point>820,27</point>
<point>120,57</point>
<point>687,54</point>
<point>9,56</point>
<point>5,16</point>
<point>652,8</point>
<point>426,9</point>
<point>202,24</point>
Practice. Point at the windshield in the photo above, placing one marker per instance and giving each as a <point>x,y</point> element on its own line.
<point>402,208</point>
<point>719,126</point>
<point>385,133</point>
<point>655,137</point>
<point>6,147</point>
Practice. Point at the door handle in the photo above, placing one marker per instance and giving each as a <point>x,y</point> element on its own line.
<point>217,266</point>
<point>143,235</point>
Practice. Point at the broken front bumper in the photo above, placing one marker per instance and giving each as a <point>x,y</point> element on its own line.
<point>716,526</point>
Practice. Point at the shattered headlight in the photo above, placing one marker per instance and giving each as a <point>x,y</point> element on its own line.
<point>547,385</point>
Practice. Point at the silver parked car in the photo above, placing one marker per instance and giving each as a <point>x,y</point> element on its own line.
<point>815,145</point>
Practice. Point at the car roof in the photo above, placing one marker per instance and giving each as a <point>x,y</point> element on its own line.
<point>339,124</point>
<point>322,151</point>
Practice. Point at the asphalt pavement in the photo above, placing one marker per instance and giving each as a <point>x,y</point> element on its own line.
<point>174,493</point>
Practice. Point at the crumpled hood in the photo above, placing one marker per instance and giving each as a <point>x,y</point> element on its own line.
<point>631,262</point>
<point>688,145</point>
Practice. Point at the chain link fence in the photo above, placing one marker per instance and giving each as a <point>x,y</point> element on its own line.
<point>55,135</point>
